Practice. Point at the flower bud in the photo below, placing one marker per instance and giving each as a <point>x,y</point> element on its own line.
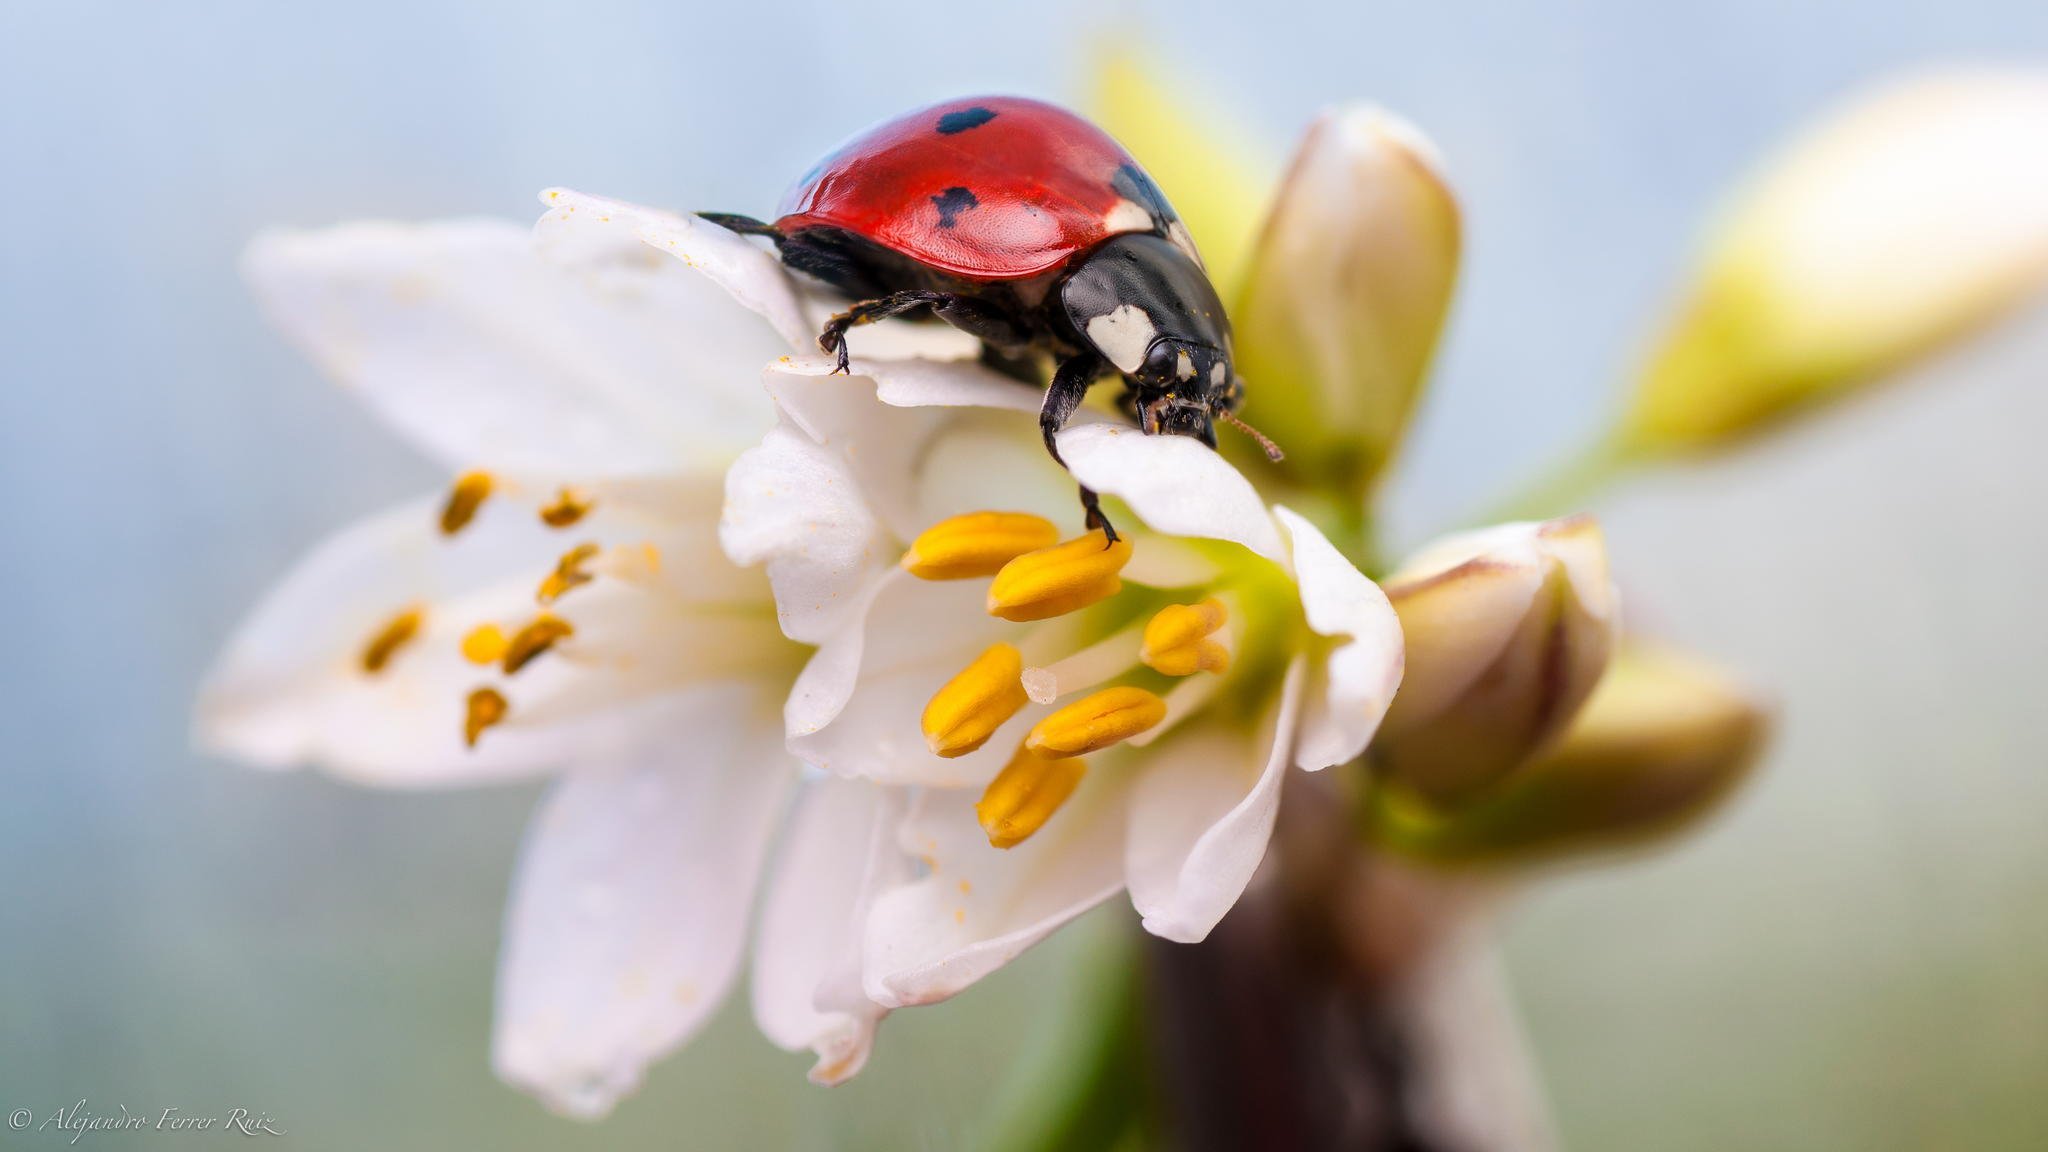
<point>1893,228</point>
<point>1346,293</point>
<point>1661,742</point>
<point>1507,631</point>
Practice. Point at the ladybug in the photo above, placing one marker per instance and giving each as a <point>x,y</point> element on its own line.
<point>1028,227</point>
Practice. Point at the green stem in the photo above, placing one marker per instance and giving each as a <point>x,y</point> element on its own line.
<point>1569,487</point>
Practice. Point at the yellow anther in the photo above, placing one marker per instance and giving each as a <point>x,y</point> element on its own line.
<point>533,640</point>
<point>568,573</point>
<point>1025,794</point>
<point>977,544</point>
<point>396,633</point>
<point>1095,722</point>
<point>485,644</point>
<point>968,710</point>
<point>470,491</point>
<point>568,507</point>
<point>1057,580</point>
<point>1177,640</point>
<point>486,708</point>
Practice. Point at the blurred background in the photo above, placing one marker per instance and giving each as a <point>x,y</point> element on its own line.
<point>1853,956</point>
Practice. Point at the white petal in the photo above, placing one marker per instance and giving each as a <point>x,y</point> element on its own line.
<point>1176,485</point>
<point>796,507</point>
<point>469,344</point>
<point>1201,815</point>
<point>980,907</point>
<point>1356,681</point>
<point>752,275</point>
<point>628,914</point>
<point>856,709</point>
<point>838,851</point>
<point>289,688</point>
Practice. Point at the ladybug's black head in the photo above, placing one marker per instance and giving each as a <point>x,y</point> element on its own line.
<point>1147,307</point>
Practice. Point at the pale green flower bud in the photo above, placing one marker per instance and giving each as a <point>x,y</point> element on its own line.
<point>1898,225</point>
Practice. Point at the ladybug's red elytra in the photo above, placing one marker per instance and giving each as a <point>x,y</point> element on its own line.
<point>1026,226</point>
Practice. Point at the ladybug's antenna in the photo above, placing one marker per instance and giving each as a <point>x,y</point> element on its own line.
<point>1273,452</point>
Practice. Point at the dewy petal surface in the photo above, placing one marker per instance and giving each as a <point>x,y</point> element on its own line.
<point>838,850</point>
<point>628,914</point>
<point>473,347</point>
<point>1347,292</point>
<point>1201,814</point>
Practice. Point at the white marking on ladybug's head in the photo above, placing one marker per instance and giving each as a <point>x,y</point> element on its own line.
<point>1123,335</point>
<point>1127,216</point>
<point>1218,372</point>
<point>1184,368</point>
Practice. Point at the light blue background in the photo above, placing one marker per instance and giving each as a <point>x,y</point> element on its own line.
<point>1851,959</point>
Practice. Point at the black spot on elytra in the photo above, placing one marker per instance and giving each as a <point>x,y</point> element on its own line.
<point>951,203</point>
<point>964,119</point>
<point>1134,185</point>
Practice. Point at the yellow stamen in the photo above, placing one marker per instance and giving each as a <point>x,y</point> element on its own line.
<point>534,639</point>
<point>1057,580</point>
<point>569,506</point>
<point>568,573</point>
<point>486,708</point>
<point>1025,794</point>
<point>485,644</point>
<point>396,633</point>
<point>1095,722</point>
<point>1177,640</point>
<point>977,544</point>
<point>968,710</point>
<point>470,491</point>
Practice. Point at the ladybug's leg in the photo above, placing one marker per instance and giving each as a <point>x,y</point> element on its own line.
<point>833,338</point>
<point>744,225</point>
<point>1069,387</point>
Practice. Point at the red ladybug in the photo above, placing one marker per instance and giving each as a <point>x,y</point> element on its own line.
<point>1024,225</point>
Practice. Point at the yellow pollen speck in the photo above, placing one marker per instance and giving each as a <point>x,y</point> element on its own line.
<point>1096,721</point>
<point>976,544</point>
<point>486,707</point>
<point>485,644</point>
<point>1057,580</point>
<point>1025,794</point>
<point>967,711</point>
<point>396,633</point>
<point>568,573</point>
<point>1177,639</point>
<point>959,915</point>
<point>965,887</point>
<point>470,491</point>
<point>533,640</point>
<point>568,507</point>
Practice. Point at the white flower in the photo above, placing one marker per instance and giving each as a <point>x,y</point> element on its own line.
<point>1166,683</point>
<point>566,608</point>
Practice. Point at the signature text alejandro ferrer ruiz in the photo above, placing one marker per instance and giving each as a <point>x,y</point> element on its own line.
<point>79,1119</point>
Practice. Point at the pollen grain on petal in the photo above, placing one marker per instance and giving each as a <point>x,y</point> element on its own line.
<point>484,709</point>
<point>484,644</point>
<point>1057,580</point>
<point>1025,794</point>
<point>1178,639</point>
<point>976,544</point>
<point>569,573</point>
<point>537,637</point>
<point>470,491</point>
<point>568,507</point>
<point>395,634</point>
<point>967,711</point>
<point>1095,722</point>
